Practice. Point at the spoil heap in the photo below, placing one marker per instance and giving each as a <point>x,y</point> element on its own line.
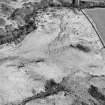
<point>60,60</point>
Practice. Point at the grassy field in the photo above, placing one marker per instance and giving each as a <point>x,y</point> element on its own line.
<point>98,16</point>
